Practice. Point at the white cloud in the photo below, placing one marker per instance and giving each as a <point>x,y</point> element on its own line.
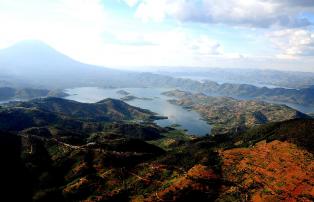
<point>205,46</point>
<point>175,41</point>
<point>293,42</point>
<point>131,3</point>
<point>163,48</point>
<point>152,10</point>
<point>251,13</point>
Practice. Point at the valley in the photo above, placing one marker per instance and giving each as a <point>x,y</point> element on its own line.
<point>111,151</point>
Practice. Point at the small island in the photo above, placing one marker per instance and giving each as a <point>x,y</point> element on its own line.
<point>123,92</point>
<point>132,97</point>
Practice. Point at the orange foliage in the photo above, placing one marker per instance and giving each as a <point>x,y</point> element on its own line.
<point>189,181</point>
<point>275,171</point>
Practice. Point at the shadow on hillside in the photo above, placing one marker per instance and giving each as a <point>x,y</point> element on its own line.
<point>15,182</point>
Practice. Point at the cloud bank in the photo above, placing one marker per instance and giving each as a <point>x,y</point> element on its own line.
<point>249,13</point>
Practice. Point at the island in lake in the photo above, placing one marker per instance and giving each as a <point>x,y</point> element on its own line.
<point>132,97</point>
<point>123,92</point>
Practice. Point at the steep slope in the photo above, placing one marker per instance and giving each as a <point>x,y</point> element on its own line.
<point>41,169</point>
<point>274,171</point>
<point>298,131</point>
<point>277,166</point>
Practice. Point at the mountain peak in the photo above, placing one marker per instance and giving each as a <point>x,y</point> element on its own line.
<point>31,57</point>
<point>30,47</point>
<point>43,66</point>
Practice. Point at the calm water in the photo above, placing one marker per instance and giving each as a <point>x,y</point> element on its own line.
<point>189,120</point>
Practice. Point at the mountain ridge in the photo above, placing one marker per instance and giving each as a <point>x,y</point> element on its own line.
<point>107,109</point>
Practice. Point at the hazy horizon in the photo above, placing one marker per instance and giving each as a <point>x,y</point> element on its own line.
<point>132,34</point>
<point>150,68</point>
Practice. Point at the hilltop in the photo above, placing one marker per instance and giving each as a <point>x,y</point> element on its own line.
<point>107,109</point>
<point>69,115</point>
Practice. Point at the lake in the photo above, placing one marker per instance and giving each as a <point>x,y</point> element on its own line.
<point>156,102</point>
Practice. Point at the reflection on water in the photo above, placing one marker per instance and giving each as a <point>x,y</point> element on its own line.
<point>189,120</point>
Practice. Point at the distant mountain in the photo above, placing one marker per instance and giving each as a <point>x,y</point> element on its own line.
<point>39,65</point>
<point>303,96</point>
<point>258,77</point>
<point>8,93</point>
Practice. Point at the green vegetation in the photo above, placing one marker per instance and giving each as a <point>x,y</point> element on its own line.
<point>171,139</point>
<point>60,150</point>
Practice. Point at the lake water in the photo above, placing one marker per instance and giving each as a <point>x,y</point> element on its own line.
<point>188,120</point>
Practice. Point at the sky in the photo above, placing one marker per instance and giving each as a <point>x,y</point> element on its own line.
<point>146,34</point>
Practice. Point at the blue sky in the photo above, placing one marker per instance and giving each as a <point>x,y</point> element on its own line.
<point>146,34</point>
